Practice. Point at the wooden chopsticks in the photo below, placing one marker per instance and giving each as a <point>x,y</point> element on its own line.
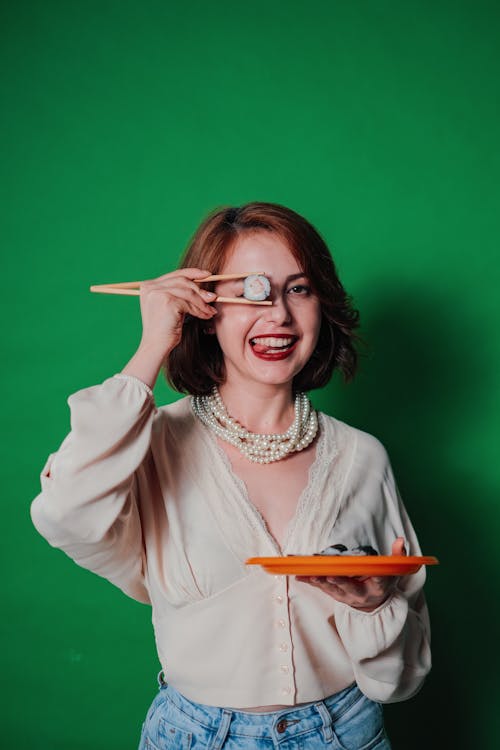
<point>132,288</point>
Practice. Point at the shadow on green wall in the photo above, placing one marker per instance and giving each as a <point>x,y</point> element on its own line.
<point>417,392</point>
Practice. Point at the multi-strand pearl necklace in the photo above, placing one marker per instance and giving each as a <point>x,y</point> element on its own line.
<point>261,449</point>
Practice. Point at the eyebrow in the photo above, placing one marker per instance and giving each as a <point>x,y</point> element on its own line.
<point>296,276</point>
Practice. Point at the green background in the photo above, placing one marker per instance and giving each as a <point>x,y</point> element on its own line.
<point>123,124</point>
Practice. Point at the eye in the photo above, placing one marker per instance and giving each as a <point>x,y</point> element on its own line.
<point>300,289</point>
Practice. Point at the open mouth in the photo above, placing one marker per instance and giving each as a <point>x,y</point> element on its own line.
<point>269,345</point>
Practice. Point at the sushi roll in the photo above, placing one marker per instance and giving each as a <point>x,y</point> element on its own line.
<point>341,549</point>
<point>256,287</point>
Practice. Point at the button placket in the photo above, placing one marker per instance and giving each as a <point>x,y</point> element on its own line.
<point>283,638</point>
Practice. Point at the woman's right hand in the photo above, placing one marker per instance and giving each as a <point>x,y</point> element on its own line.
<point>166,301</point>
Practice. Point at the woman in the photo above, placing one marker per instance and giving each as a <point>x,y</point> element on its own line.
<point>169,502</point>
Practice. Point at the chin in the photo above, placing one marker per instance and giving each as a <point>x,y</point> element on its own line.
<point>276,378</point>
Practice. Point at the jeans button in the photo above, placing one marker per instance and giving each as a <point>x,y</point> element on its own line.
<point>281,726</point>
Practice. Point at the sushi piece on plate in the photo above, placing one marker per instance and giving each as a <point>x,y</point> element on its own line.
<point>341,549</point>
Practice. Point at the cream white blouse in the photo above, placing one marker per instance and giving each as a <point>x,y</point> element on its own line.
<point>145,497</point>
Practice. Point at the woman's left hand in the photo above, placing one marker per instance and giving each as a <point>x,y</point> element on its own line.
<point>365,593</point>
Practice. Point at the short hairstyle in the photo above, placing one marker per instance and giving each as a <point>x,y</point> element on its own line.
<point>196,364</point>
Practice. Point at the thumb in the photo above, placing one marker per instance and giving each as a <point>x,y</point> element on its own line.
<point>398,547</point>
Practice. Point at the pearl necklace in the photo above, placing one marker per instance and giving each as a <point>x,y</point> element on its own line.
<point>261,449</point>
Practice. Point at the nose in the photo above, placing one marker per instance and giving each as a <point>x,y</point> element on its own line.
<point>278,313</point>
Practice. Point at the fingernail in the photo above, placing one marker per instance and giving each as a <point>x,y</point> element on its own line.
<point>209,295</point>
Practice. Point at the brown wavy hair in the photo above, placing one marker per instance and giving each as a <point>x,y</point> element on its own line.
<point>197,363</point>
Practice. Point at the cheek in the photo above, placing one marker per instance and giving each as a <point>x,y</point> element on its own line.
<point>313,321</point>
<point>232,325</point>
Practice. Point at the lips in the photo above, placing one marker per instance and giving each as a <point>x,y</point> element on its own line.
<point>275,346</point>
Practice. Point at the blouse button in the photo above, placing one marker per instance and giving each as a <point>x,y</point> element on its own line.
<point>286,690</point>
<point>283,647</point>
<point>281,623</point>
<point>279,599</point>
<point>285,668</point>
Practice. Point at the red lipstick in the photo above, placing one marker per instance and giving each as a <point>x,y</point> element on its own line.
<point>270,353</point>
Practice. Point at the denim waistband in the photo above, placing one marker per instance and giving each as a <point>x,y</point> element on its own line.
<point>321,713</point>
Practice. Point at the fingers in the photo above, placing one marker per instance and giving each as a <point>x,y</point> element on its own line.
<point>357,586</point>
<point>183,292</point>
<point>166,301</point>
<point>327,584</point>
<point>398,547</point>
<point>364,593</point>
<point>197,299</point>
<point>160,306</point>
<point>317,581</point>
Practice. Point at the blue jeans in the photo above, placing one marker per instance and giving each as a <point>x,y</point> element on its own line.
<point>347,720</point>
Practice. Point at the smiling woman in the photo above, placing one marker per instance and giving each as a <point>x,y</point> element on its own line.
<point>169,502</point>
<point>284,334</point>
<point>231,234</point>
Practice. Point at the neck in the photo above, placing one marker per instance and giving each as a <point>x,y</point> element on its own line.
<point>261,408</point>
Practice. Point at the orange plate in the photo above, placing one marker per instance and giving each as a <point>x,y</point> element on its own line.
<point>342,565</point>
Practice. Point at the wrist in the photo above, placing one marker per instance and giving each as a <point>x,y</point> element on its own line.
<point>146,363</point>
<point>156,350</point>
<point>367,609</point>
<point>375,605</point>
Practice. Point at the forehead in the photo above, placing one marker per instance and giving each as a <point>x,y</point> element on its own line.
<point>260,251</point>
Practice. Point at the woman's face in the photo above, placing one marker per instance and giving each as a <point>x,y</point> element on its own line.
<point>266,344</point>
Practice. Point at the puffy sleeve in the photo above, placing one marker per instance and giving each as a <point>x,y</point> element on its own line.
<point>88,504</point>
<point>389,647</point>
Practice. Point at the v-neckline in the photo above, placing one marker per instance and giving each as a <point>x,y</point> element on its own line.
<point>251,513</point>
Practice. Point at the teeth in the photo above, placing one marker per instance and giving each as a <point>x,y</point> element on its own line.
<point>273,342</point>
